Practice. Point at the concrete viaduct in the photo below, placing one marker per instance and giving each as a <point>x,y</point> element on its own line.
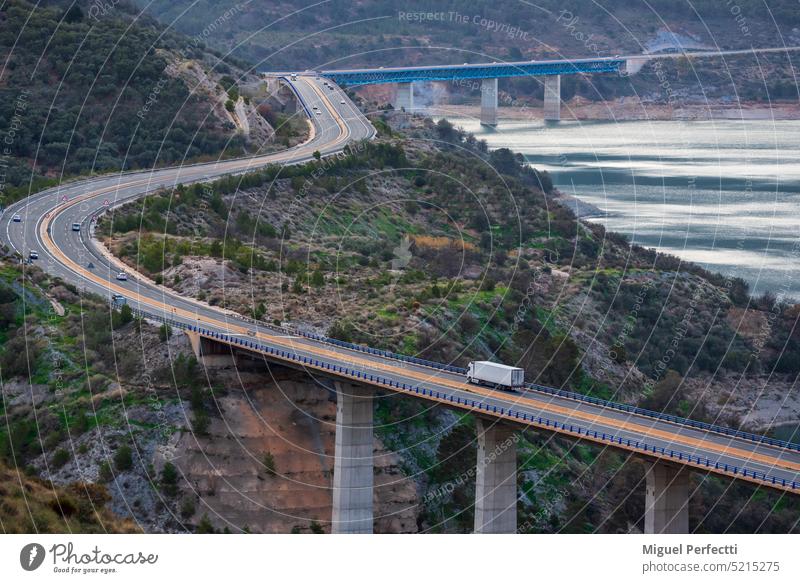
<point>357,372</point>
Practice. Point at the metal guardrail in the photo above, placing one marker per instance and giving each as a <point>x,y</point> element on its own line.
<point>558,392</point>
<point>667,417</point>
<point>508,413</point>
<point>730,432</point>
<point>288,82</point>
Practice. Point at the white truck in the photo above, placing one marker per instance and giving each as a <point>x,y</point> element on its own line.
<point>501,376</point>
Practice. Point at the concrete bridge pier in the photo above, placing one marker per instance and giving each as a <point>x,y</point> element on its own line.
<point>633,66</point>
<point>667,499</point>
<point>489,102</point>
<point>211,354</point>
<point>405,97</point>
<point>552,98</point>
<point>352,468</point>
<point>496,479</point>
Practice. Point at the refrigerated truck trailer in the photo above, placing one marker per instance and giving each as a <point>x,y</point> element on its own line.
<point>483,372</point>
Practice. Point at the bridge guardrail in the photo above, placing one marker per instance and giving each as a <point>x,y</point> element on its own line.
<point>566,394</point>
<point>755,438</point>
<point>569,395</point>
<point>509,413</point>
<point>667,417</point>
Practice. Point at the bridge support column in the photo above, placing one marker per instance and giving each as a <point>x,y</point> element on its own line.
<point>209,353</point>
<point>496,479</point>
<point>667,499</point>
<point>552,98</point>
<point>352,468</point>
<point>489,102</point>
<point>633,66</point>
<point>405,97</point>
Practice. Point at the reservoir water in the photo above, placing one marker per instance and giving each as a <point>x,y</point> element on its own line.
<point>724,194</point>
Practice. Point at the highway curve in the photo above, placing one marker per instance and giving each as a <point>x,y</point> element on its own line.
<point>47,218</point>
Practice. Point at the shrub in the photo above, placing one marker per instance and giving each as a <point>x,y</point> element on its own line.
<point>105,472</point>
<point>123,458</point>
<point>205,526</point>
<point>187,508</point>
<point>165,332</point>
<point>169,479</point>
<point>126,314</point>
<point>200,423</point>
<point>60,458</point>
<point>269,462</point>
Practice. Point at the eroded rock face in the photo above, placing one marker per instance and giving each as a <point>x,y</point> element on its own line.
<point>289,418</point>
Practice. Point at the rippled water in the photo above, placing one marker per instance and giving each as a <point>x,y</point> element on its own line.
<point>725,194</point>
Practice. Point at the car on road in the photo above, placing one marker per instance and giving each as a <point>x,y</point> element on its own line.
<point>118,299</point>
<point>16,219</point>
<point>90,265</point>
<point>76,227</point>
<point>318,112</point>
<point>33,255</point>
<point>341,101</point>
<point>122,276</point>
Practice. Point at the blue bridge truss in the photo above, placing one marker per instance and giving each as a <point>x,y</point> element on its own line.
<point>356,77</point>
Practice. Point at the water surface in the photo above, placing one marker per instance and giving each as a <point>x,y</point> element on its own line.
<point>724,194</point>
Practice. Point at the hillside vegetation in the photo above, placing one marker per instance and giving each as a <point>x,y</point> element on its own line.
<point>81,94</point>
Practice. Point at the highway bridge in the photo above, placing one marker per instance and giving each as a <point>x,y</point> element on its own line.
<point>670,447</point>
<point>489,73</point>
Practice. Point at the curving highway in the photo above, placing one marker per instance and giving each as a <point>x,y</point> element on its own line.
<point>46,226</point>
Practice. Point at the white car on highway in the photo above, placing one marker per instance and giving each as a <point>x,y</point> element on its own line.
<point>16,219</point>
<point>122,276</point>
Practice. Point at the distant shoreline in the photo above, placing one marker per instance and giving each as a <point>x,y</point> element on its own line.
<point>633,110</point>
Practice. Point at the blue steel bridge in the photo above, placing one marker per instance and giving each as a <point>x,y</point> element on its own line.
<point>358,77</point>
<point>489,73</point>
